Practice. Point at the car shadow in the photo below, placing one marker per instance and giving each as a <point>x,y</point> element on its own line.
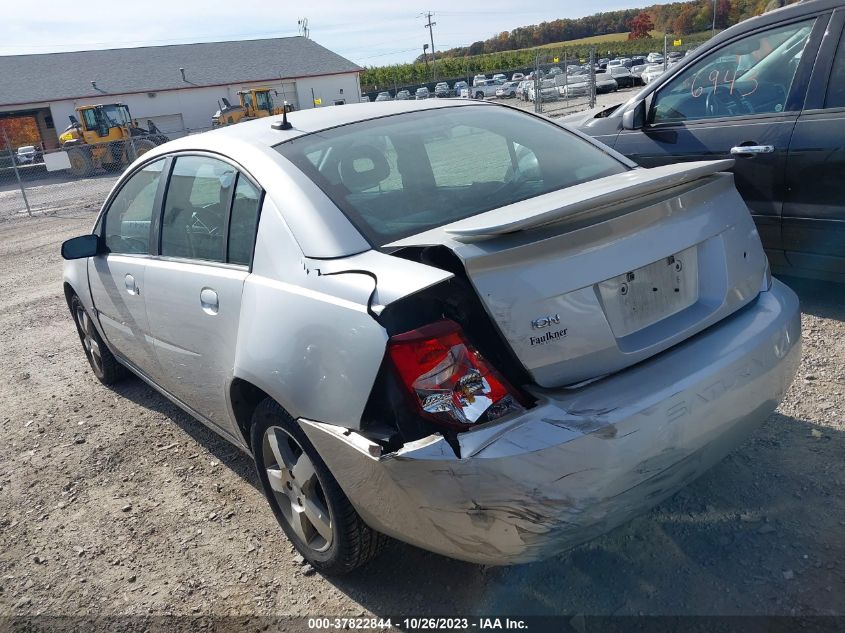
<point>824,299</point>
<point>228,454</point>
<point>735,541</point>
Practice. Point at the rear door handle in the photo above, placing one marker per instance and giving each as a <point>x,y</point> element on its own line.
<point>209,301</point>
<point>751,150</point>
<point>131,286</point>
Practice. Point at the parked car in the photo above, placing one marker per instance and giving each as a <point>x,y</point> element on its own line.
<point>478,78</point>
<point>651,73</point>
<point>501,76</point>
<point>517,77</point>
<point>614,62</point>
<point>622,76</point>
<point>422,93</point>
<point>459,87</point>
<point>383,359</point>
<point>555,70</point>
<point>442,90</point>
<point>637,73</point>
<point>549,90</point>
<point>507,90</point>
<point>383,96</point>
<point>654,58</point>
<point>403,95</point>
<point>638,61</point>
<point>579,85</point>
<point>522,89</point>
<point>486,88</point>
<point>28,155</point>
<point>769,93</point>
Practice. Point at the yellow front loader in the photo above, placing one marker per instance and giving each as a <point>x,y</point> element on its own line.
<point>255,103</point>
<point>106,136</point>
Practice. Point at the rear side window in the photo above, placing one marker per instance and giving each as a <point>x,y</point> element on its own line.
<point>128,219</point>
<point>242,225</point>
<point>404,174</point>
<point>196,208</point>
<point>836,85</point>
<point>752,75</point>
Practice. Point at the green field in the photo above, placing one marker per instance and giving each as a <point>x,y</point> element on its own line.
<point>600,39</point>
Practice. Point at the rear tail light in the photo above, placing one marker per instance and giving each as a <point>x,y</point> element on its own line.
<point>447,380</point>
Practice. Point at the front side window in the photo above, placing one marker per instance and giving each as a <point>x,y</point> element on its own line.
<point>129,216</point>
<point>404,174</point>
<point>753,75</point>
<point>196,208</point>
<point>90,118</point>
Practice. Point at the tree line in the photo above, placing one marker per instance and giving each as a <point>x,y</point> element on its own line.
<point>512,49</point>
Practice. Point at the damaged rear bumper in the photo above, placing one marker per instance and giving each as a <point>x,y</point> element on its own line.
<point>581,461</point>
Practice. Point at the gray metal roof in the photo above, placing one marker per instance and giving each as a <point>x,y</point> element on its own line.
<point>54,76</point>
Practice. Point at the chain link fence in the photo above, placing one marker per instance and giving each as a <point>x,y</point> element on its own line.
<point>77,177</point>
<point>560,85</point>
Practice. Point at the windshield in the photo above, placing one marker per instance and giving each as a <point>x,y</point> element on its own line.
<point>117,115</point>
<point>400,175</point>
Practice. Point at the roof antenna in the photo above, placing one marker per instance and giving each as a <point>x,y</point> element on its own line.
<point>182,70</point>
<point>284,124</point>
<point>94,85</point>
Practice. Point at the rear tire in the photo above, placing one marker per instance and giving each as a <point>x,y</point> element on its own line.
<point>306,499</point>
<point>81,163</point>
<point>103,363</point>
<point>479,95</point>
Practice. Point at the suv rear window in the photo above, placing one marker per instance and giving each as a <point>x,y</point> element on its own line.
<point>400,175</point>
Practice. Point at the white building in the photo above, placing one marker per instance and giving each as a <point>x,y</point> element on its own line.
<point>176,87</point>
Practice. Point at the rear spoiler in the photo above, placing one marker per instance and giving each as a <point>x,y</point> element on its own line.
<point>587,196</point>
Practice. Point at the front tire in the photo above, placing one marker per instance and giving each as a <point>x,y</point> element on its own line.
<point>81,161</point>
<point>309,504</point>
<point>103,363</point>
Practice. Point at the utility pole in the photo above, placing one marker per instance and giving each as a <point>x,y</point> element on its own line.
<point>430,28</point>
<point>713,32</point>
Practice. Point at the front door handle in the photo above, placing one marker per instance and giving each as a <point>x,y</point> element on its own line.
<point>752,150</point>
<point>209,301</point>
<point>131,286</point>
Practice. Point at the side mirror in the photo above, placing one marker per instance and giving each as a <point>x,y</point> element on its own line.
<point>634,117</point>
<point>83,246</point>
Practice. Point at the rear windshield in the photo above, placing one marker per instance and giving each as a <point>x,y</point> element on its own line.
<point>400,175</point>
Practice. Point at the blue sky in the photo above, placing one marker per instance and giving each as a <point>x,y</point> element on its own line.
<point>368,32</point>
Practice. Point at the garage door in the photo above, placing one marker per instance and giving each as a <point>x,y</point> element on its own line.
<point>170,124</point>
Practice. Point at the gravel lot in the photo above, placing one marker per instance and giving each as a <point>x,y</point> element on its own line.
<point>112,501</point>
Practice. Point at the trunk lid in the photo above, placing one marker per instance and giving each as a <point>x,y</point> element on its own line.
<point>591,279</point>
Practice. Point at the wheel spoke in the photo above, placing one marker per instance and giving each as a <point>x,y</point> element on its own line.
<point>277,478</point>
<point>319,517</point>
<point>303,470</point>
<point>298,523</point>
<point>281,449</point>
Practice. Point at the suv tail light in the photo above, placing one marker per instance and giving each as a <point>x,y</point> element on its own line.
<point>447,379</point>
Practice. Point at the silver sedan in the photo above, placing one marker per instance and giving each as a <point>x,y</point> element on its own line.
<point>450,322</point>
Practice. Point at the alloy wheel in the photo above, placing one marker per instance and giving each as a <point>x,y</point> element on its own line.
<point>89,339</point>
<point>297,489</point>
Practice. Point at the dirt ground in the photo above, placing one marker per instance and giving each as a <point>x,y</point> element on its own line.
<point>112,501</point>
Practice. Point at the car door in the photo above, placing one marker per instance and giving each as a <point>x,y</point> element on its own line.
<point>117,278</point>
<point>814,210</point>
<point>740,101</point>
<point>195,281</point>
